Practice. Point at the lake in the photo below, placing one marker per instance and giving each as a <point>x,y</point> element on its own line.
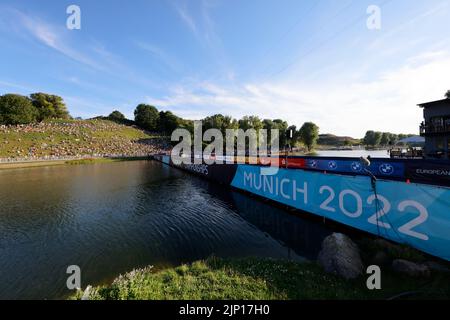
<point>110,218</point>
<point>353,153</point>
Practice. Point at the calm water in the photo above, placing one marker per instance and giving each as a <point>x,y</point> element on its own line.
<point>111,218</point>
<point>354,153</point>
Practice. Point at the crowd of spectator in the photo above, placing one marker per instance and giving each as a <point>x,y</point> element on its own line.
<point>76,139</point>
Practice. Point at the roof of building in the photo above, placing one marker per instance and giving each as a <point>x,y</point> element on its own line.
<point>413,139</point>
<point>434,103</point>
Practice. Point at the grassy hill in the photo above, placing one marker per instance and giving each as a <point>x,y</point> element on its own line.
<point>72,138</point>
<point>337,141</point>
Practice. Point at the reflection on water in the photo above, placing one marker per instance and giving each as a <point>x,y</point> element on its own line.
<point>353,153</point>
<point>111,218</point>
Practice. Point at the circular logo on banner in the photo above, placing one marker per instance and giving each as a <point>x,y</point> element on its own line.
<point>313,163</point>
<point>332,165</point>
<point>386,168</point>
<point>356,166</point>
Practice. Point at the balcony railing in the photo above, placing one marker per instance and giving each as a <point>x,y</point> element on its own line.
<point>426,128</point>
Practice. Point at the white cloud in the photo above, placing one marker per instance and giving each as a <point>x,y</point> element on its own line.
<point>186,17</point>
<point>160,54</point>
<point>6,86</point>
<point>203,26</point>
<point>52,37</point>
<point>388,103</point>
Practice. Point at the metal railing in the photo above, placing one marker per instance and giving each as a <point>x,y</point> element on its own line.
<point>426,128</point>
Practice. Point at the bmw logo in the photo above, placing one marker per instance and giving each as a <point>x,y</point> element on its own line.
<point>332,165</point>
<point>313,163</point>
<point>356,166</point>
<point>386,168</point>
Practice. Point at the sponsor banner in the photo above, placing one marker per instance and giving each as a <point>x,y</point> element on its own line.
<point>294,163</point>
<point>379,168</point>
<point>413,214</point>
<point>430,172</point>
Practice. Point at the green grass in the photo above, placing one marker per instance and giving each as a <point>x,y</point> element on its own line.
<point>259,279</point>
<point>102,160</point>
<point>86,132</point>
<point>90,161</point>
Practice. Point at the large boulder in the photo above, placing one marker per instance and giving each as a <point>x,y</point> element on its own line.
<point>380,258</point>
<point>435,266</point>
<point>410,268</point>
<point>340,255</point>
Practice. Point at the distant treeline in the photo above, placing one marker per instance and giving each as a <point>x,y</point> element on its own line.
<point>376,138</point>
<point>148,117</point>
<point>18,109</point>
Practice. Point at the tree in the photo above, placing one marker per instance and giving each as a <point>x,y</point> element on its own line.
<point>146,116</point>
<point>168,122</point>
<point>377,137</point>
<point>385,138</point>
<point>16,109</point>
<point>309,134</point>
<point>221,122</point>
<point>393,138</point>
<point>250,122</point>
<point>282,126</point>
<point>372,138</point>
<point>49,106</point>
<point>447,94</point>
<point>117,116</point>
<point>292,130</point>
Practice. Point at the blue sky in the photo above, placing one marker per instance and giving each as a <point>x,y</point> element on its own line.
<point>290,59</point>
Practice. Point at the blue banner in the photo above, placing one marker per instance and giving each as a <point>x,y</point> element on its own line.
<point>379,168</point>
<point>414,214</point>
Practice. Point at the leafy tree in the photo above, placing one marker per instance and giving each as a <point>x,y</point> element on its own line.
<point>393,138</point>
<point>168,122</point>
<point>385,138</point>
<point>378,136</point>
<point>221,122</point>
<point>268,124</point>
<point>282,126</point>
<point>16,109</point>
<point>292,130</point>
<point>49,106</point>
<point>309,134</point>
<point>369,138</point>
<point>372,138</point>
<point>187,124</point>
<point>147,117</point>
<point>250,122</point>
<point>116,116</point>
<point>447,94</point>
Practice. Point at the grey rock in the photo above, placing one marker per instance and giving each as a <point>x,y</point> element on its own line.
<point>384,244</point>
<point>410,268</point>
<point>435,266</point>
<point>340,255</point>
<point>380,258</point>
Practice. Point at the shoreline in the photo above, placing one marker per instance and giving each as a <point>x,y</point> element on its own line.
<point>73,161</point>
<point>258,278</point>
